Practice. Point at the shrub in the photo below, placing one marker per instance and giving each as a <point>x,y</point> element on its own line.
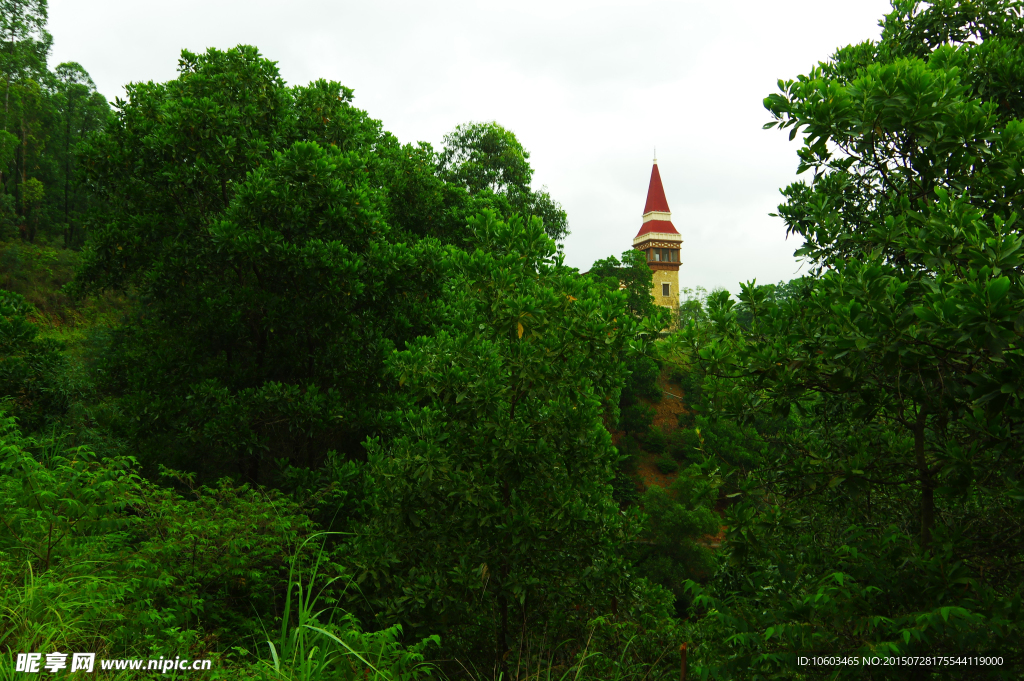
<point>38,273</point>
<point>656,440</point>
<point>691,384</point>
<point>226,544</point>
<point>642,381</point>
<point>667,465</point>
<point>95,558</point>
<point>32,370</point>
<point>636,418</point>
<point>678,520</point>
<point>624,489</point>
<point>684,444</point>
<point>686,419</point>
<point>733,443</point>
<point>62,526</point>
<point>629,450</point>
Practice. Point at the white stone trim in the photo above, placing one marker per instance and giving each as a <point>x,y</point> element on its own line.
<point>657,215</point>
<point>657,236</point>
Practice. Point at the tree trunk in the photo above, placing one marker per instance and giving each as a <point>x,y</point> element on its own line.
<point>19,208</point>
<point>26,213</point>
<point>503,632</point>
<point>7,90</point>
<point>502,647</point>
<point>67,176</point>
<point>927,484</point>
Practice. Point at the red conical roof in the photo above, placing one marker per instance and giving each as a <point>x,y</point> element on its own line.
<point>657,226</point>
<point>656,203</point>
<point>656,200</point>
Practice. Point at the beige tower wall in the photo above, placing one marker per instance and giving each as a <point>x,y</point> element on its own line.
<point>671,301</point>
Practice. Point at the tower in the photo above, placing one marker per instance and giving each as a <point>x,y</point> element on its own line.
<point>659,239</point>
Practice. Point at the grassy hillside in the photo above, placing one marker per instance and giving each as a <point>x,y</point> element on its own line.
<point>39,272</point>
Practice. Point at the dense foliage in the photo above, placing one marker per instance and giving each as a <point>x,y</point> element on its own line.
<point>287,274</point>
<point>30,366</point>
<point>237,219</point>
<point>882,514</point>
<point>485,158</point>
<point>46,116</point>
<point>323,405</point>
<point>274,239</point>
<point>493,504</point>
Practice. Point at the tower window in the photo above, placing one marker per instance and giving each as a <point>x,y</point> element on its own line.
<point>663,255</point>
<point>665,289</point>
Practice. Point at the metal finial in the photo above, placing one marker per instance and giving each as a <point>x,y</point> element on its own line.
<point>655,154</point>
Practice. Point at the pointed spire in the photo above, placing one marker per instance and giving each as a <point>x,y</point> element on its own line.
<point>656,201</point>
<point>657,216</point>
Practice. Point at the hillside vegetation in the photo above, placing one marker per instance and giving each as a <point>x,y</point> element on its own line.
<point>284,393</point>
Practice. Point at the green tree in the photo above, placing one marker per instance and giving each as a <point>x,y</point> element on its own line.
<point>25,48</point>
<point>911,218</point>
<point>778,294</point>
<point>419,203</point>
<point>673,546</point>
<point>46,115</point>
<point>243,216</point>
<point>898,365</point>
<point>483,156</point>
<point>489,161</point>
<point>80,111</point>
<point>26,43</point>
<point>493,510</point>
<point>634,275</point>
<point>692,305</point>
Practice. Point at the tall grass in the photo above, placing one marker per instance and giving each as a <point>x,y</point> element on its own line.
<point>321,644</point>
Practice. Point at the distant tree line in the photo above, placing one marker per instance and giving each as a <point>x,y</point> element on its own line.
<point>47,114</point>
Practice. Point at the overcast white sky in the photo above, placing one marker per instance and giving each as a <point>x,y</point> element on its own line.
<point>590,88</point>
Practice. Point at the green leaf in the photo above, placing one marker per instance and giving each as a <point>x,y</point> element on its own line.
<point>997,288</point>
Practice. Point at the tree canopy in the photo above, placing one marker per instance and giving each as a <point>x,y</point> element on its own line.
<point>46,115</point>
<point>486,158</point>
<point>886,390</point>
